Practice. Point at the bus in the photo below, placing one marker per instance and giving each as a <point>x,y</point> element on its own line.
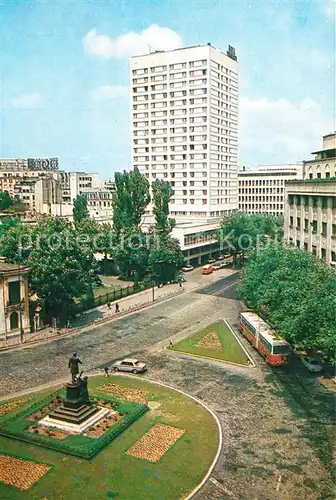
<point>274,349</point>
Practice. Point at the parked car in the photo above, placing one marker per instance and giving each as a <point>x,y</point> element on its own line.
<point>312,364</point>
<point>216,267</point>
<point>208,269</point>
<point>211,261</point>
<point>187,268</point>
<point>224,256</point>
<point>129,365</point>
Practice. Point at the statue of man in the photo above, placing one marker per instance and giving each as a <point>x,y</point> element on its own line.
<point>73,365</point>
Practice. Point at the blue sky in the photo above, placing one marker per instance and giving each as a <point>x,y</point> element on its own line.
<point>65,71</point>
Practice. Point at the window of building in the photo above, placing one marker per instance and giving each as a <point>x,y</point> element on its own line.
<point>291,221</point>
<point>324,228</point>
<point>14,292</point>
<point>324,202</point>
<point>306,224</point>
<point>315,226</point>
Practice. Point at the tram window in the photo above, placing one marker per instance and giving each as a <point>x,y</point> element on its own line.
<point>265,343</point>
<point>281,349</point>
<point>250,327</point>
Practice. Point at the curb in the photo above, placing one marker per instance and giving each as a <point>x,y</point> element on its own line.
<point>240,343</point>
<point>220,432</point>
<point>94,324</point>
<point>252,365</point>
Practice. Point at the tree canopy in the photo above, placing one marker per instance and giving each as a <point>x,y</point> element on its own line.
<point>295,293</point>
<point>62,269</point>
<point>130,199</point>
<point>80,211</point>
<point>239,232</point>
<point>5,200</point>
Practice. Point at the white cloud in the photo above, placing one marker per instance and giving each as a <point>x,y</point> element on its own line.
<point>131,43</point>
<point>106,92</point>
<point>329,7</point>
<point>27,101</point>
<point>281,130</point>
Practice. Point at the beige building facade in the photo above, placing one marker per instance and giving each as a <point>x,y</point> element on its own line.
<point>310,212</point>
<point>14,300</point>
<point>262,190</point>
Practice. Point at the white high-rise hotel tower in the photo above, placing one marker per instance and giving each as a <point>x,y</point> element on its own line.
<point>185,126</point>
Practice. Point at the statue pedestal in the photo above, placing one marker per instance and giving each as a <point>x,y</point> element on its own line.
<point>74,399</point>
<point>76,407</point>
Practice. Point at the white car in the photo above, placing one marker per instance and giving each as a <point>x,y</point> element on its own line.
<point>312,364</point>
<point>129,365</point>
<point>187,268</point>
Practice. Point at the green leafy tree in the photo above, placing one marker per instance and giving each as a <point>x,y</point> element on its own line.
<point>162,192</point>
<point>130,200</point>
<point>62,269</point>
<point>16,242</point>
<point>295,293</point>
<point>240,232</point>
<point>165,256</point>
<point>5,200</point>
<point>131,254</point>
<point>80,210</point>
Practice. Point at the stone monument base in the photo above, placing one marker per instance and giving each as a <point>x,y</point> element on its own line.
<point>76,428</point>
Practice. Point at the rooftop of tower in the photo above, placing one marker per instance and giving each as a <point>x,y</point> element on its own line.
<point>230,52</point>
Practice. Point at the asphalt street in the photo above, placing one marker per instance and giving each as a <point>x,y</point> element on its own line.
<point>277,424</point>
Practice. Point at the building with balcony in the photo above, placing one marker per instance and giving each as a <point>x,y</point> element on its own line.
<point>185,126</point>
<point>99,203</point>
<point>14,301</point>
<point>310,212</point>
<point>262,190</point>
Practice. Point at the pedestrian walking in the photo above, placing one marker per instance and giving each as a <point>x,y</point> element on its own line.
<point>117,308</point>
<point>109,305</point>
<point>171,345</point>
<point>106,370</point>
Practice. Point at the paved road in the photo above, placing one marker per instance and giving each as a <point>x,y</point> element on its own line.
<point>100,346</point>
<point>277,425</point>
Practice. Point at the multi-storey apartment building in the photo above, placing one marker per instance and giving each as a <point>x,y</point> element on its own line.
<point>19,169</point>
<point>310,214</point>
<point>262,190</point>
<point>99,203</point>
<point>185,126</point>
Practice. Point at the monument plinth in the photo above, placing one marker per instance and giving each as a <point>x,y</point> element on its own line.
<point>76,412</point>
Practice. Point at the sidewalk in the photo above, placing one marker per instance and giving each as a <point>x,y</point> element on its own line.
<point>127,305</point>
<point>96,316</point>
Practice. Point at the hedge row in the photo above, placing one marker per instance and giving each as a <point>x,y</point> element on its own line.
<point>77,445</point>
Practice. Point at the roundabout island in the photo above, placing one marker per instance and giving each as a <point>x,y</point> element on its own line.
<point>148,436</point>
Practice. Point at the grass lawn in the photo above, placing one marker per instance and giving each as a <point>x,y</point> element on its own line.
<point>114,474</point>
<point>228,349</point>
<point>103,290</point>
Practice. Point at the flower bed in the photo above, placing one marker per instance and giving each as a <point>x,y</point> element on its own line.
<point>17,426</point>
<point>210,341</point>
<point>21,473</point>
<point>125,393</point>
<point>153,445</point>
